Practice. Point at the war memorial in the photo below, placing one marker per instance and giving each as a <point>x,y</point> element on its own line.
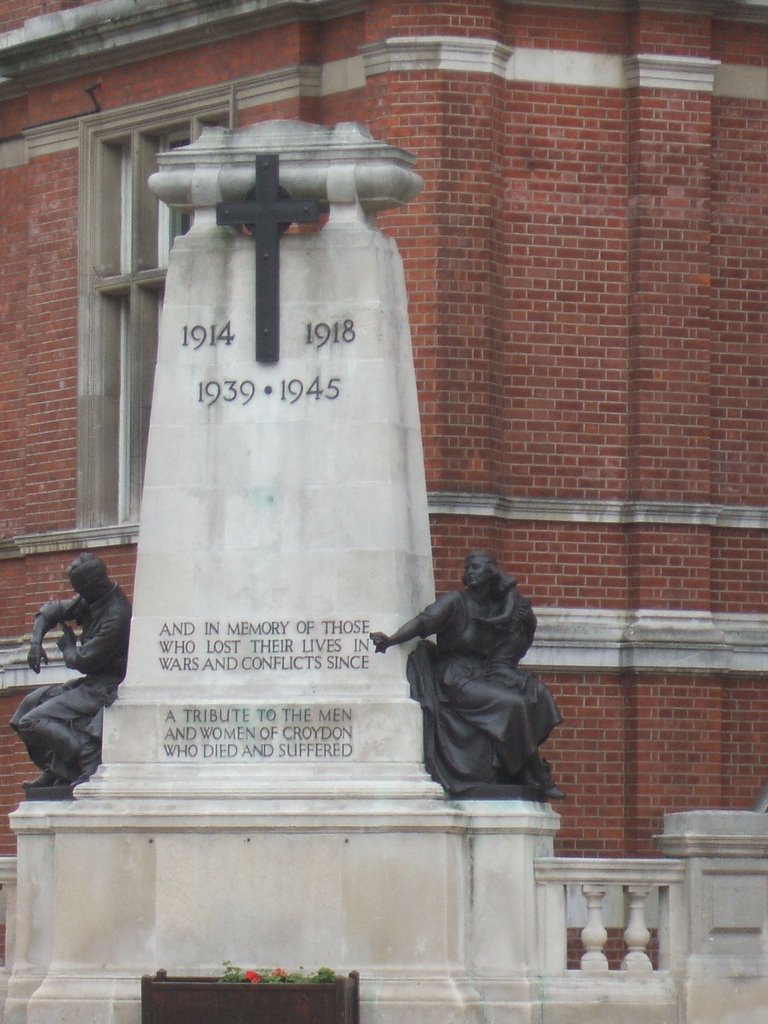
<point>263,795</point>
<point>311,754</point>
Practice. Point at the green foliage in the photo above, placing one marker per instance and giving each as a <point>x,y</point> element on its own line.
<point>275,976</point>
<point>232,974</point>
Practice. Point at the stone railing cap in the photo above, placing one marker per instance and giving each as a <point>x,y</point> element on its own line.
<point>715,833</point>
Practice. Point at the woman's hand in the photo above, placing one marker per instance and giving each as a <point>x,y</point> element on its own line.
<point>380,642</point>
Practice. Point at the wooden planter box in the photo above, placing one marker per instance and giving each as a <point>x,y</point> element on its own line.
<point>167,1000</point>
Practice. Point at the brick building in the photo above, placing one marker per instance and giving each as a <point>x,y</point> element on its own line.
<point>586,269</point>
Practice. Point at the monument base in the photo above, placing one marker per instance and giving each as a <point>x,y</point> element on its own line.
<point>432,901</point>
<point>725,970</point>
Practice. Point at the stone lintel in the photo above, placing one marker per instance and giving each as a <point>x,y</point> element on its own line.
<point>609,511</point>
<point>448,503</point>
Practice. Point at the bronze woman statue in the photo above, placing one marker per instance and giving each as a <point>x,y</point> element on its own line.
<point>484,717</point>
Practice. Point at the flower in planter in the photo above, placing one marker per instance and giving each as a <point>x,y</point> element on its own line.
<point>277,976</point>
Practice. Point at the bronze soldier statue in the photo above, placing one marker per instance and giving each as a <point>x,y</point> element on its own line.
<point>61,724</point>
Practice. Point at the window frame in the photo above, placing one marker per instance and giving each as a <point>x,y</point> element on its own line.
<point>121,277</point>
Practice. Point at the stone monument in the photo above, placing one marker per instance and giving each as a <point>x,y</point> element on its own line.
<point>284,500</point>
<point>262,797</point>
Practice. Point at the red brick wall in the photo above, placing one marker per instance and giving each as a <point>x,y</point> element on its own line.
<point>450,17</point>
<point>13,366</point>
<point>669,267</point>
<point>738,577</point>
<point>51,370</point>
<point>567,564</point>
<point>14,766</point>
<point>674,34</point>
<point>588,753</point>
<point>745,754</point>
<point>587,275</point>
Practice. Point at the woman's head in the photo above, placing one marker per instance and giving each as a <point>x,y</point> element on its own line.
<point>480,567</point>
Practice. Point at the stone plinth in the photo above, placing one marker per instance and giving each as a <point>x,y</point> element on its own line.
<point>725,967</point>
<point>432,902</point>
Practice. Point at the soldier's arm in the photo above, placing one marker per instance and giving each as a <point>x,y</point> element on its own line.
<point>99,649</point>
<point>49,615</point>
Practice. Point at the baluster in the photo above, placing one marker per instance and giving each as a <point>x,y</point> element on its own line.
<point>594,935</point>
<point>636,934</point>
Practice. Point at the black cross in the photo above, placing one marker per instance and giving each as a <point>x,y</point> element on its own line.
<point>267,214</point>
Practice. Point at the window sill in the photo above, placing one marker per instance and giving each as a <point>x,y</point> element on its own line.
<point>68,540</point>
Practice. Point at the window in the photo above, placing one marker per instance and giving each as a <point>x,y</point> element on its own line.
<point>125,240</point>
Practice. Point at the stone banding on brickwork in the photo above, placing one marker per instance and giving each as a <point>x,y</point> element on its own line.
<point>478,56</point>
<point>584,639</point>
<point>620,513</point>
<point>49,46</point>
<point>458,503</point>
<point>111,30</point>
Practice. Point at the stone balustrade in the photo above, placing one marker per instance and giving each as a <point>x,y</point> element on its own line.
<point>598,897</point>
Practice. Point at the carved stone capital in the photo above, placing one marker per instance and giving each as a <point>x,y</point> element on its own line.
<point>339,165</point>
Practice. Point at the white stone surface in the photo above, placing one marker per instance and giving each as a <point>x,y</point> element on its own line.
<point>726,968</point>
<point>284,514</point>
<point>432,902</point>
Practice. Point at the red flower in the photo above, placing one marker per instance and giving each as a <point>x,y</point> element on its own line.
<point>253,976</point>
<point>279,973</point>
